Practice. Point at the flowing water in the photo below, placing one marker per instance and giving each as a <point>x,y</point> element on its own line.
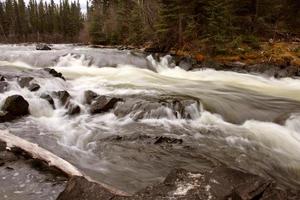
<point>245,121</point>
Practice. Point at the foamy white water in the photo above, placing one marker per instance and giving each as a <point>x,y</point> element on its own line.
<point>236,121</point>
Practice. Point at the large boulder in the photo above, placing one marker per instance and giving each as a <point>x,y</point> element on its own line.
<point>14,106</point>
<point>43,47</point>
<point>103,104</point>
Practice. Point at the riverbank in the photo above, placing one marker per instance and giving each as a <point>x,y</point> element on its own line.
<point>277,59</point>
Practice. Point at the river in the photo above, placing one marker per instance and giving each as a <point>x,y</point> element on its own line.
<point>245,121</point>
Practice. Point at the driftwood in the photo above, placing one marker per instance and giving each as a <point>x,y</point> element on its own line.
<point>39,153</point>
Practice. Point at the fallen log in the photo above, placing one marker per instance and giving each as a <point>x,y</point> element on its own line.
<point>38,153</point>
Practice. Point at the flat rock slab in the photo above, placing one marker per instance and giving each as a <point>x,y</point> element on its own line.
<point>220,183</point>
<point>23,178</point>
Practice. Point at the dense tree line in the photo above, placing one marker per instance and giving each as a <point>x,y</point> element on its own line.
<point>40,21</point>
<point>179,22</point>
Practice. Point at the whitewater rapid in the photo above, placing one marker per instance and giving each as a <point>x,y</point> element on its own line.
<point>246,121</point>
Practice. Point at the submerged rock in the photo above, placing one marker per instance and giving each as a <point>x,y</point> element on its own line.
<point>43,47</point>
<point>3,86</point>
<point>24,81</point>
<point>103,104</point>
<point>54,73</point>
<point>34,87</point>
<point>49,99</point>
<point>14,106</point>
<point>2,78</point>
<point>168,140</point>
<point>63,96</point>
<point>89,96</point>
<point>73,109</point>
<point>157,108</point>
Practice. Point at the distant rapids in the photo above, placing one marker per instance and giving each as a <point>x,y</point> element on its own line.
<point>169,118</point>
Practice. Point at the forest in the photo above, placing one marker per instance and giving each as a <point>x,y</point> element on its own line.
<point>40,21</point>
<point>160,23</point>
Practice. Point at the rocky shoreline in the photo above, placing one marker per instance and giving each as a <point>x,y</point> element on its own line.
<point>277,60</point>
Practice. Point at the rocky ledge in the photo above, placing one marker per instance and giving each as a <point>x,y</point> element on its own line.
<point>215,184</point>
<point>26,178</point>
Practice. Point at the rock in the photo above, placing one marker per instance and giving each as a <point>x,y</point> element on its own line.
<point>43,47</point>
<point>49,99</point>
<point>157,108</point>
<point>24,81</point>
<point>2,78</point>
<point>219,183</point>
<point>78,188</point>
<point>168,140</point>
<point>54,73</point>
<point>7,156</point>
<point>2,146</point>
<point>16,105</point>
<point>89,96</point>
<point>34,87</point>
<point>6,116</point>
<point>103,104</point>
<point>3,86</point>
<point>185,64</point>
<point>73,109</point>
<point>63,96</point>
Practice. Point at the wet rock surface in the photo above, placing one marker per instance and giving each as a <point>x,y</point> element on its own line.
<point>156,108</point>
<point>90,96</point>
<point>3,86</point>
<point>219,183</point>
<point>24,81</point>
<point>14,106</point>
<point>43,47</point>
<point>34,87</point>
<point>48,98</point>
<point>63,96</point>
<point>54,73</point>
<point>73,109</point>
<point>79,188</point>
<point>103,104</point>
<point>22,178</point>
<point>278,70</point>
<point>268,69</point>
